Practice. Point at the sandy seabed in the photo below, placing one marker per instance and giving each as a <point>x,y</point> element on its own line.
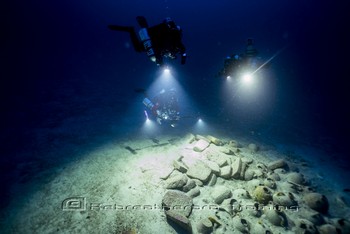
<point>119,188</point>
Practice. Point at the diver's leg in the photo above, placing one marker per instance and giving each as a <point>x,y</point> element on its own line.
<point>134,39</point>
<point>141,90</point>
<point>138,46</point>
<point>121,28</point>
<point>142,21</point>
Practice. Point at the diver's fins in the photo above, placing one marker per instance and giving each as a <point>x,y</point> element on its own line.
<point>141,90</point>
<point>121,28</point>
<point>142,21</point>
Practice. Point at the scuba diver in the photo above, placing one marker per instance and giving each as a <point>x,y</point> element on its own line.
<point>164,106</point>
<point>250,55</point>
<point>237,62</point>
<point>160,41</point>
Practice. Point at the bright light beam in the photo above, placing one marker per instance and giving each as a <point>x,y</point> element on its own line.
<point>146,114</point>
<point>149,127</point>
<point>273,56</point>
<point>200,124</point>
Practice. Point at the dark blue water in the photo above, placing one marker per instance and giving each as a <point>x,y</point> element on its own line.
<point>61,68</point>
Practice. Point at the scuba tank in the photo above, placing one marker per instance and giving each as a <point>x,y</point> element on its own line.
<point>147,44</point>
<point>250,50</point>
<point>148,103</point>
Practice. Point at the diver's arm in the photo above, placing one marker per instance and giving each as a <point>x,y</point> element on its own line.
<point>120,28</point>
<point>142,91</point>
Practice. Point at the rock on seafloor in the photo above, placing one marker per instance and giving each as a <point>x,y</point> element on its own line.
<point>209,172</point>
<point>199,171</point>
<point>201,145</point>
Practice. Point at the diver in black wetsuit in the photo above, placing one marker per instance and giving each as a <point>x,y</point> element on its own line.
<point>161,41</point>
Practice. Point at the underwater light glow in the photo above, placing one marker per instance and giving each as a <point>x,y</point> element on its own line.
<point>166,74</point>
<point>201,127</point>
<point>200,123</point>
<point>166,70</point>
<point>272,57</point>
<point>148,122</point>
<point>247,78</point>
<point>165,80</point>
<point>149,126</point>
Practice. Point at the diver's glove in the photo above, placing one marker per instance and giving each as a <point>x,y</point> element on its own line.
<point>183,58</point>
<point>159,60</point>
